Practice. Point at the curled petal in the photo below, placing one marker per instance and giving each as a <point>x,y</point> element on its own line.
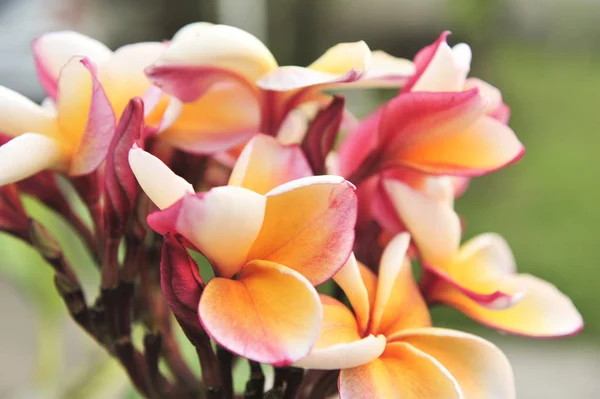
<point>159,182</point>
<point>18,115</point>
<point>85,116</point>
<point>542,311</point>
<point>398,303</point>
<point>432,223</point>
<point>222,223</point>
<point>386,71</point>
<point>270,314</point>
<point>52,51</point>
<point>479,367</point>
<point>350,280</point>
<point>28,154</point>
<point>308,226</point>
<point>402,372</point>
<point>358,145</point>
<point>265,164</point>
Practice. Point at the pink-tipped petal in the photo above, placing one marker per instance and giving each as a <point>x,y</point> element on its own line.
<point>309,226</point>
<point>359,144</point>
<point>542,311</point>
<point>402,372</point>
<point>270,314</point>
<point>265,164</point>
<point>28,154</point>
<point>398,303</point>
<point>159,182</point>
<point>446,133</point>
<point>18,115</point>
<point>432,223</point>
<point>85,116</point>
<point>52,51</point>
<point>479,367</point>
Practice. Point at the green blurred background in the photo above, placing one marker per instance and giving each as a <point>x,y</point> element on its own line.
<point>543,54</point>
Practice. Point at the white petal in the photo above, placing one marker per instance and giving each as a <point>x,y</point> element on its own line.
<point>159,182</point>
<point>27,155</point>
<point>18,115</point>
<point>344,356</point>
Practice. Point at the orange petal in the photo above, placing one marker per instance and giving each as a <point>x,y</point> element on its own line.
<point>398,302</point>
<point>265,164</point>
<point>542,312</point>
<point>270,314</point>
<point>308,226</point>
<point>432,223</point>
<point>350,280</point>
<point>402,372</point>
<point>479,367</point>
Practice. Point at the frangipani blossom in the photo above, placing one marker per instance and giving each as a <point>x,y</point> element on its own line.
<point>479,278</point>
<point>72,137</point>
<point>121,73</point>
<point>387,347</point>
<point>218,67</point>
<point>268,247</point>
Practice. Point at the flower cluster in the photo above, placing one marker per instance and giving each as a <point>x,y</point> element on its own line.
<point>281,189</point>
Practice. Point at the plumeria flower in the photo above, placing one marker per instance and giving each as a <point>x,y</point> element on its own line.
<point>479,278</point>
<point>387,348</point>
<point>233,87</point>
<point>121,73</point>
<point>268,246</point>
<point>71,137</point>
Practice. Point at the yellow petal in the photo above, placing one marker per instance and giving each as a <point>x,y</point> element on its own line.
<point>351,282</point>
<point>479,367</point>
<point>398,302</point>
<point>270,314</point>
<point>265,164</point>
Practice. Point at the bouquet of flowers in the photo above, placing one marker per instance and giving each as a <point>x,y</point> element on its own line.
<point>203,149</point>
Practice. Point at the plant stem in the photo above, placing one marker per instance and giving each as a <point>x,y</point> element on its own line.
<point>255,386</point>
<point>225,359</point>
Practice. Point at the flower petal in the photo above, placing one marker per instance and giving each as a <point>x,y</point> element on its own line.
<point>402,372</point>
<point>479,367</point>
<point>351,282</point>
<point>222,223</point>
<point>270,314</point>
<point>85,116</point>
<point>123,77</point>
<point>398,303</point>
<point>542,312</point>
<point>224,116</point>
<point>386,71</point>
<point>446,133</point>
<point>432,223</point>
<point>344,62</point>
<point>344,355</point>
<point>18,115</point>
<point>159,182</point>
<point>28,154</point>
<point>359,144</point>
<point>482,271</point>
<point>308,226</point>
<point>265,164</point>
<point>53,50</point>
